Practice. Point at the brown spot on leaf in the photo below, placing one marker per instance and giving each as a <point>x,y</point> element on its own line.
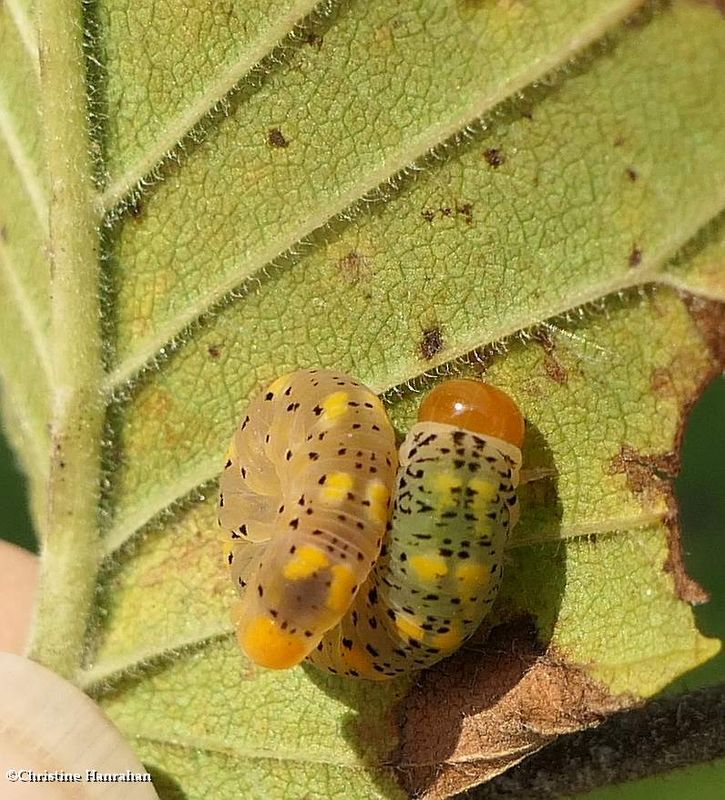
<point>709,316</point>
<point>494,157</point>
<point>355,266</point>
<point>432,343</point>
<point>275,138</point>
<point>662,382</point>
<point>635,257</point>
<point>313,39</point>
<point>619,141</point>
<point>475,715</point>
<point>632,174</point>
<point>647,475</point>
<point>552,366</point>
<point>3,234</point>
<point>466,211</point>
<point>214,351</point>
<point>687,588</point>
<point>136,207</point>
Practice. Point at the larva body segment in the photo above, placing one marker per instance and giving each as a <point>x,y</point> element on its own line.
<point>305,497</point>
<point>442,561</point>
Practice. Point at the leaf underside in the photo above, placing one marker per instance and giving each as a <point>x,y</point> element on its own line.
<point>532,192</point>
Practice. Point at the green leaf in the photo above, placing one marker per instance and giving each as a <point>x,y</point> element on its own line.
<point>196,201</point>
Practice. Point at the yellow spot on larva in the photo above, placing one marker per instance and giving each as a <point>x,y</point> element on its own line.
<point>304,563</point>
<point>379,495</point>
<point>279,384</point>
<point>231,454</point>
<point>429,567</point>
<point>336,487</point>
<point>408,627</point>
<point>473,576</point>
<point>448,641</point>
<point>359,660</point>
<point>269,646</point>
<point>340,594</point>
<point>335,405</point>
<point>485,492</point>
<point>443,485</point>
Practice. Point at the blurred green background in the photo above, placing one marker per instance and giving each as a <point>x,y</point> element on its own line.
<point>701,493</point>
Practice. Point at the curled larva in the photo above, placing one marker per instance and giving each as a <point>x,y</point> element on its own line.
<point>305,496</point>
<point>344,593</point>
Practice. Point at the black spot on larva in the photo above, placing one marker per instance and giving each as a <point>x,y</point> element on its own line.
<point>260,590</point>
<point>494,157</point>
<point>317,410</point>
<point>432,343</point>
<point>276,139</point>
<point>269,396</point>
<point>347,643</point>
<point>230,558</point>
<point>373,652</point>
<point>288,455</point>
<point>322,480</point>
